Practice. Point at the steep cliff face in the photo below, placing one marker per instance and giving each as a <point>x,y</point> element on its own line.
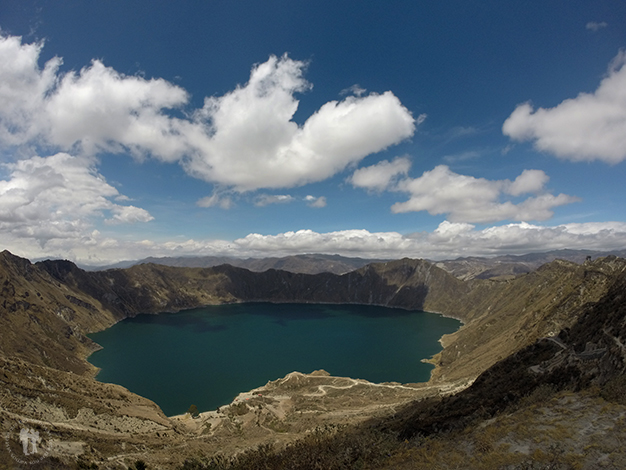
<point>504,316</point>
<point>45,321</point>
<point>145,288</point>
<point>406,283</point>
<point>150,288</point>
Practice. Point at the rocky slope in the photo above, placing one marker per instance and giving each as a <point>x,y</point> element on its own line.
<point>44,321</point>
<point>504,316</point>
<point>47,308</point>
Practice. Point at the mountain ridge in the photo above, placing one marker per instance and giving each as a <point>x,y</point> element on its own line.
<point>465,268</point>
<point>304,263</point>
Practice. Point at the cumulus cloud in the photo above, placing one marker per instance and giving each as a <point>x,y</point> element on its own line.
<point>96,109</point>
<point>591,126</point>
<point>100,109</point>
<point>244,140</point>
<point>23,87</point>
<point>381,176</point>
<point>530,181</point>
<point>308,241</point>
<point>59,197</point>
<point>254,143</point>
<point>128,214</point>
<point>478,200</point>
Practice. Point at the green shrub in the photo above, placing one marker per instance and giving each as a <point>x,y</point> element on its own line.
<point>193,411</point>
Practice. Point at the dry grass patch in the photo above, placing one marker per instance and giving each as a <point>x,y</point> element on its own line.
<point>560,431</point>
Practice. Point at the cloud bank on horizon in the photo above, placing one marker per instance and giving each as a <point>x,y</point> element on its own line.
<point>56,127</point>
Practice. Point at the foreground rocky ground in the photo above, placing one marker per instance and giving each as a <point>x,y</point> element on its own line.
<point>537,351</point>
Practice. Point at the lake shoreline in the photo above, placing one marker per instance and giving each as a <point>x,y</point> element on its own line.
<point>354,331</point>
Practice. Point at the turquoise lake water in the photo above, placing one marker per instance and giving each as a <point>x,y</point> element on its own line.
<point>206,356</point>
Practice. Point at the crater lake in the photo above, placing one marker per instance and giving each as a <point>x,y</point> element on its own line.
<point>206,356</point>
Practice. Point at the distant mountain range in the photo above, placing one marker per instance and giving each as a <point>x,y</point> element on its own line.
<point>512,265</point>
<point>302,264</point>
<point>474,267</point>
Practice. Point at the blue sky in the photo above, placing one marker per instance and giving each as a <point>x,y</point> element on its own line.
<point>379,129</point>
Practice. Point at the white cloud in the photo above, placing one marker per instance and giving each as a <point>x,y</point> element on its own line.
<point>448,241</point>
<point>355,89</point>
<point>317,202</point>
<point>23,87</point>
<point>216,199</point>
<point>478,200</point>
<point>308,241</point>
<point>58,197</point>
<point>449,231</point>
<point>591,126</point>
<point>128,214</point>
<point>595,26</point>
<point>99,109</point>
<point>380,176</point>
<point>254,144</point>
<point>267,199</point>
<point>96,109</point>
<point>243,140</point>
<point>530,181</point>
